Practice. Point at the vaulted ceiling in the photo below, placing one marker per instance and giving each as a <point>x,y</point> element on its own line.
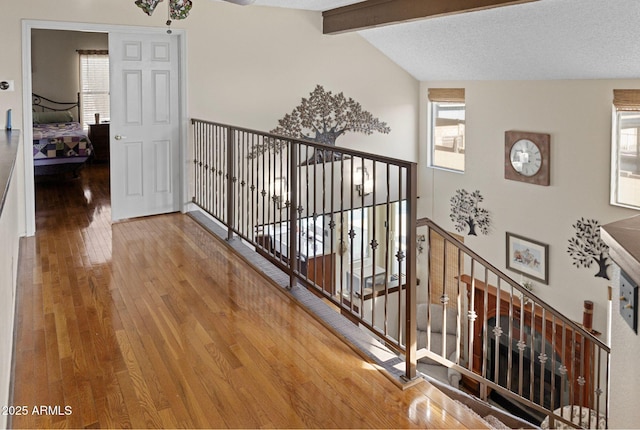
<point>545,39</point>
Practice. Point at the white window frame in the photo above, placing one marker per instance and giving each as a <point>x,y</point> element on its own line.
<point>432,106</point>
<point>616,132</point>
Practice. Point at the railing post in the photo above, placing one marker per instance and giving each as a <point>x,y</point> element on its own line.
<point>411,294</point>
<point>231,201</point>
<point>293,213</point>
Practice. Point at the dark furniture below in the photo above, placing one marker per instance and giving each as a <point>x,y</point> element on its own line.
<point>99,136</point>
<point>321,270</point>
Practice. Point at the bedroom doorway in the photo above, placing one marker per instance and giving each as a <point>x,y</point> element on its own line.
<point>178,182</point>
<point>69,74</point>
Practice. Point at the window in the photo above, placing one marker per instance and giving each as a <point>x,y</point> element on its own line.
<point>94,86</point>
<point>446,128</point>
<point>625,152</point>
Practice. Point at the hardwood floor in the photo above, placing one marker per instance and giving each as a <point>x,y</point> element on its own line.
<point>155,323</point>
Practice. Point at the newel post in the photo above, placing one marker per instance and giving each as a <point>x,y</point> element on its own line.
<point>411,293</point>
<point>293,212</point>
<point>231,177</point>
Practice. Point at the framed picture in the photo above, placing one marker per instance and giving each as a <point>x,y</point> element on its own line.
<point>528,257</point>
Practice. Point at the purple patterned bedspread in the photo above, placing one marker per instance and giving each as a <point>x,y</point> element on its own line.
<point>60,140</point>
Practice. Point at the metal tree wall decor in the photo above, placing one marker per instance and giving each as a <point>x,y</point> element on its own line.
<point>322,117</point>
<point>586,247</point>
<point>465,212</point>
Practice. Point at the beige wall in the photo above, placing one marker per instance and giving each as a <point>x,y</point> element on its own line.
<point>577,115</point>
<point>54,61</point>
<point>253,66</point>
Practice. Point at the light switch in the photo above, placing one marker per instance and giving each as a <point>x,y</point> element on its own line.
<point>629,301</point>
<point>6,85</point>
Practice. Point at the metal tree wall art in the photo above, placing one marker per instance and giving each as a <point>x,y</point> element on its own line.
<point>322,117</point>
<point>465,212</point>
<point>586,247</point>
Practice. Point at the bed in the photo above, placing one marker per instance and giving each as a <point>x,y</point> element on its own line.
<point>60,144</point>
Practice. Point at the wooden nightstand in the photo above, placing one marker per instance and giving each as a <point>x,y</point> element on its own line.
<point>99,137</point>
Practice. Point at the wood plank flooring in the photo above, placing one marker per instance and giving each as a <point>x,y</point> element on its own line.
<point>154,323</point>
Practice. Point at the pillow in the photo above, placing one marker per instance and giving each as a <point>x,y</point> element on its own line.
<point>52,117</point>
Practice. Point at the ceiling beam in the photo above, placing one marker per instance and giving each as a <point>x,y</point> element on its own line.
<point>376,13</point>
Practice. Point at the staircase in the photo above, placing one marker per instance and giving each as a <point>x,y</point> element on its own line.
<point>511,347</point>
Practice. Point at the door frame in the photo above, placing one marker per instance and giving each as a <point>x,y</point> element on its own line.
<point>27,89</point>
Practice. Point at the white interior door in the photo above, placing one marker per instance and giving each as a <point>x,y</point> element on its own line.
<point>145,124</point>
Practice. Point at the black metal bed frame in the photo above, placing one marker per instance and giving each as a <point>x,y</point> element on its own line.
<point>43,104</point>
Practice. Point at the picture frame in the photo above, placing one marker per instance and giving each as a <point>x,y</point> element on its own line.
<point>527,257</point>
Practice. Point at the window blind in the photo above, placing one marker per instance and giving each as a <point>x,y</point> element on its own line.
<point>450,95</point>
<point>94,85</point>
<point>626,100</point>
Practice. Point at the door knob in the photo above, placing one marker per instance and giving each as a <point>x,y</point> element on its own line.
<point>118,137</point>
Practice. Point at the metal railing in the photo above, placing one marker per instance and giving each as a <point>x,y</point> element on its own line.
<point>507,341</point>
<point>344,224</point>
<point>341,222</point>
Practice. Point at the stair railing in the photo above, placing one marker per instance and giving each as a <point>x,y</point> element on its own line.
<point>508,342</point>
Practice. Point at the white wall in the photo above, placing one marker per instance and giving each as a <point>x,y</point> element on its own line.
<point>577,115</point>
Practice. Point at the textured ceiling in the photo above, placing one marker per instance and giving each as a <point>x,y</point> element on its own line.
<point>548,39</point>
